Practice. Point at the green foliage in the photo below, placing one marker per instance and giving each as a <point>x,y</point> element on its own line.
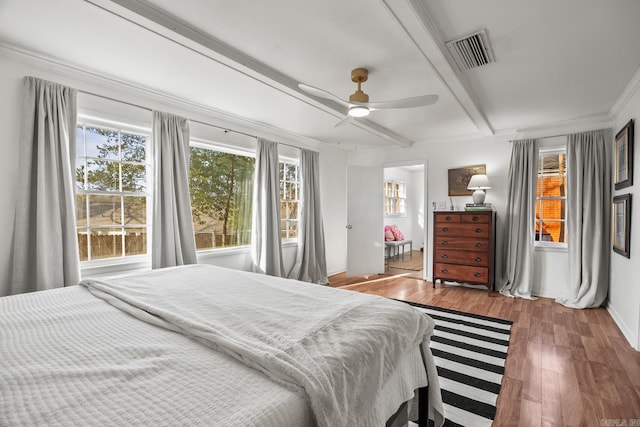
<point>218,186</point>
<point>103,172</point>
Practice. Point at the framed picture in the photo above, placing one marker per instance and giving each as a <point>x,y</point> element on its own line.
<point>459,178</point>
<point>624,157</point>
<point>622,224</point>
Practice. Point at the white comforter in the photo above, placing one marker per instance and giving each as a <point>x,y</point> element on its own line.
<point>70,359</point>
<point>344,353</point>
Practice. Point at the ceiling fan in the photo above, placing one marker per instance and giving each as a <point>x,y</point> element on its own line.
<point>359,105</point>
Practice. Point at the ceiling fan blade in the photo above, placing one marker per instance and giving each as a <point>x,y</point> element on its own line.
<point>417,101</point>
<point>322,94</point>
<point>345,121</point>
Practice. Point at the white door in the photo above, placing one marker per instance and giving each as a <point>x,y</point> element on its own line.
<point>365,226</point>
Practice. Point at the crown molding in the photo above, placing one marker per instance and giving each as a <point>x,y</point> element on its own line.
<point>103,85</point>
<point>582,124</point>
<point>627,94</point>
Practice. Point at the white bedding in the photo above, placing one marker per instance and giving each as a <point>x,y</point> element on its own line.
<point>68,358</point>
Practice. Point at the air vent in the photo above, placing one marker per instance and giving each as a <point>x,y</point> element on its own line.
<point>472,50</point>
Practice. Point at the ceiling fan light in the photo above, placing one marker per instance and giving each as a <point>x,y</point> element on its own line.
<point>358,111</point>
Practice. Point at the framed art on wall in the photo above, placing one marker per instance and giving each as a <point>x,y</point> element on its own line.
<point>459,179</point>
<point>624,157</point>
<point>622,224</point>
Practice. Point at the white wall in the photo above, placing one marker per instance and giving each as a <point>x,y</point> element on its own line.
<point>15,65</point>
<point>438,158</point>
<point>495,153</point>
<point>624,290</point>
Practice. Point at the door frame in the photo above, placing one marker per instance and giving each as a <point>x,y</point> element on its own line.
<point>425,210</point>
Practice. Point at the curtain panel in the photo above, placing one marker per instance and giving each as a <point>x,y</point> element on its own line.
<point>519,237</point>
<point>45,243</point>
<point>172,228</point>
<point>266,240</point>
<point>311,263</point>
<point>588,217</point>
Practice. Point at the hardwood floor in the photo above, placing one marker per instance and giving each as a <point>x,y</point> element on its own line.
<point>564,367</point>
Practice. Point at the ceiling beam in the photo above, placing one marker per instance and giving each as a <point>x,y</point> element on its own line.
<point>414,18</point>
<point>151,18</point>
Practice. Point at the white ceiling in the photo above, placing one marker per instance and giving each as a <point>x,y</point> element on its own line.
<point>557,61</point>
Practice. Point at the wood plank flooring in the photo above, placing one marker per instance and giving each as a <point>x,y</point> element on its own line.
<point>564,367</point>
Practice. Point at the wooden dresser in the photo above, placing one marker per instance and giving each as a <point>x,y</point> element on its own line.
<point>463,247</point>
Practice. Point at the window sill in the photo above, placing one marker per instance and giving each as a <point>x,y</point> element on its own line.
<point>551,247</point>
<point>114,266</point>
<point>234,250</point>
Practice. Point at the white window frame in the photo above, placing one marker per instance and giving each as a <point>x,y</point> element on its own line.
<point>286,232</point>
<point>217,146</point>
<point>391,198</point>
<point>546,245</point>
<point>97,266</point>
<point>213,145</point>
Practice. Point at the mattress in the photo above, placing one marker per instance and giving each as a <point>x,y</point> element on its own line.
<point>68,357</point>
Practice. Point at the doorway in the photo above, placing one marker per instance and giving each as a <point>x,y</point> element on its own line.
<point>404,212</point>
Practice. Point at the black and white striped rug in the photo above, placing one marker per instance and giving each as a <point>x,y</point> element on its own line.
<point>470,352</point>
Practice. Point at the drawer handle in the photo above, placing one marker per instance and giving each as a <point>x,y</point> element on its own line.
<point>478,230</point>
<point>444,270</point>
<point>478,259</point>
<point>478,245</point>
<point>477,274</point>
<point>448,218</point>
<point>445,256</point>
<point>445,243</point>
<point>445,229</point>
<point>475,218</point>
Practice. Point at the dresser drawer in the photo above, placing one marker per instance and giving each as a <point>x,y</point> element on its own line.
<point>475,219</point>
<point>461,273</point>
<point>445,217</point>
<point>466,230</point>
<point>463,243</point>
<point>462,257</point>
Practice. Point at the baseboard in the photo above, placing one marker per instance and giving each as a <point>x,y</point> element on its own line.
<point>626,331</point>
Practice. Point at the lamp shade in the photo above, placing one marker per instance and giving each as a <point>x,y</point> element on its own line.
<point>478,182</point>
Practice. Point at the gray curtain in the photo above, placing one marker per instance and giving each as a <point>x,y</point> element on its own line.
<point>45,242</point>
<point>266,241</point>
<point>173,239</point>
<point>311,263</point>
<point>588,217</point>
<point>519,237</point>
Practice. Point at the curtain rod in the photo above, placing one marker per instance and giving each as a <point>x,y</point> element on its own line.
<point>226,130</point>
<point>552,136</point>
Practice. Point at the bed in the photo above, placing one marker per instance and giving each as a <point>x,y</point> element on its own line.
<point>205,345</point>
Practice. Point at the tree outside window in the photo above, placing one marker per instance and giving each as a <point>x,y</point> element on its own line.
<point>289,199</point>
<point>111,192</point>
<point>221,187</point>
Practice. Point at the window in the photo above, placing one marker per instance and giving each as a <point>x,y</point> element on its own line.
<point>112,198</point>
<point>289,199</point>
<point>221,187</point>
<point>395,198</point>
<point>551,197</point>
